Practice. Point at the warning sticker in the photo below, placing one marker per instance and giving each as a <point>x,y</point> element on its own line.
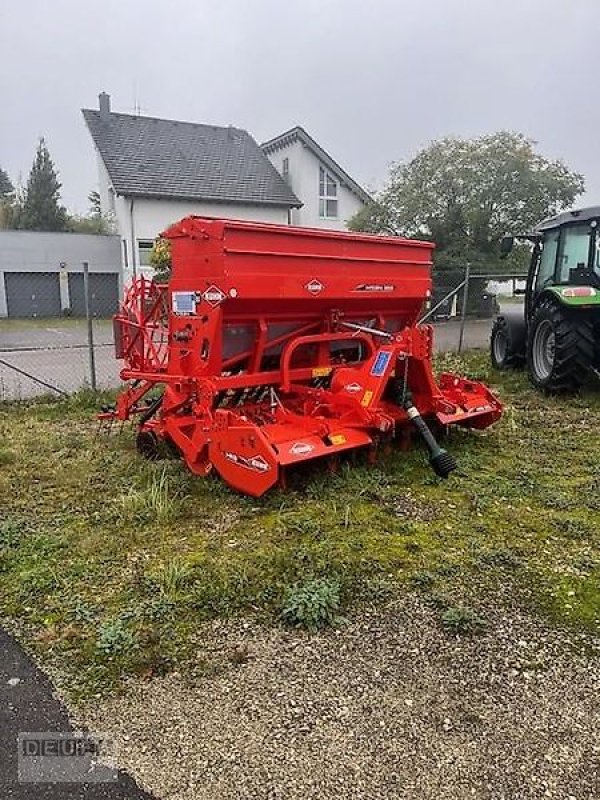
<point>367,397</point>
<point>321,372</point>
<point>183,303</point>
<point>337,438</point>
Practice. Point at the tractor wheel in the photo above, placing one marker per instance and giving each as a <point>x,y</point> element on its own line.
<point>503,352</point>
<point>560,348</point>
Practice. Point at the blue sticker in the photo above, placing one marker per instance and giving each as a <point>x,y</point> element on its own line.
<point>381,362</point>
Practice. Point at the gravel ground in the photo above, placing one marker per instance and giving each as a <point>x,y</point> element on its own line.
<point>388,706</point>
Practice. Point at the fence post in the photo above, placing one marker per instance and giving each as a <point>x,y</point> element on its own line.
<point>464,308</point>
<point>90,329</point>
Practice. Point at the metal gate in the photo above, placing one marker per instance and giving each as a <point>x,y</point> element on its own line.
<point>104,294</point>
<point>32,294</point>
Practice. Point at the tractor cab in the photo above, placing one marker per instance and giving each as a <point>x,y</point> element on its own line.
<point>556,333</point>
<point>566,253</point>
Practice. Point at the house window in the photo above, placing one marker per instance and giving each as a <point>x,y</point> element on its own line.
<point>328,202</point>
<point>285,169</point>
<point>144,252</point>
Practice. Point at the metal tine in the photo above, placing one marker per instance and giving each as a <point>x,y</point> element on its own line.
<point>263,394</point>
<point>243,398</point>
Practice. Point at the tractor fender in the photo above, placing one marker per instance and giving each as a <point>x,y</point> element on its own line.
<point>574,296</point>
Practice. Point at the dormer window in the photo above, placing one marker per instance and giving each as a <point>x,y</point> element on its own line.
<point>328,201</point>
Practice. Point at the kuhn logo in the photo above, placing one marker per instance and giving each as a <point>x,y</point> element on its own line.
<point>301,448</point>
<point>213,295</point>
<point>256,463</point>
<point>353,387</point>
<point>315,286</point>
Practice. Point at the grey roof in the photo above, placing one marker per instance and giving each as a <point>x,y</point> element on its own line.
<point>299,134</point>
<point>149,157</point>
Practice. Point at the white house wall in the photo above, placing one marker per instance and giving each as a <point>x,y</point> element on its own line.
<point>151,217</point>
<point>304,181</point>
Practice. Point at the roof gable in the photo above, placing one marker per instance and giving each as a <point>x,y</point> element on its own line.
<point>298,134</point>
<point>150,157</point>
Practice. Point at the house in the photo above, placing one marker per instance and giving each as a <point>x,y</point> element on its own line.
<point>156,171</point>
<point>330,197</point>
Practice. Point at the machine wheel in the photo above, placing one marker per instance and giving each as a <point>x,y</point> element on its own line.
<point>148,445</point>
<point>503,350</point>
<point>560,348</point>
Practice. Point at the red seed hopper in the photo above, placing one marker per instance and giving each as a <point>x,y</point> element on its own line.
<point>275,345</point>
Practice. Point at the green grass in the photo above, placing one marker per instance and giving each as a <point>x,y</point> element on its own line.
<point>108,563</point>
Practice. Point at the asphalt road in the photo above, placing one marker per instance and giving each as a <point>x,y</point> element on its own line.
<point>55,353</point>
<point>27,705</point>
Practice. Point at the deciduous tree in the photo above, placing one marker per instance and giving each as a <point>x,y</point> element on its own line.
<point>465,194</point>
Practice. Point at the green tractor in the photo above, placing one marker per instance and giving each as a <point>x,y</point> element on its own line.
<point>556,333</point>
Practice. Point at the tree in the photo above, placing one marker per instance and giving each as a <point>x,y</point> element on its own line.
<point>41,208</point>
<point>9,204</point>
<point>92,222</point>
<point>465,194</point>
<point>7,190</point>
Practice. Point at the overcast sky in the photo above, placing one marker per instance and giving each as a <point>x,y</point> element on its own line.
<point>372,80</point>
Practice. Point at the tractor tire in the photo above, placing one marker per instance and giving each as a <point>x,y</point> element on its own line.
<point>504,353</point>
<point>560,348</point>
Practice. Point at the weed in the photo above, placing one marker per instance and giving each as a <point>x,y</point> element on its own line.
<point>156,501</point>
<point>503,558</point>
<point>313,605</point>
<point>172,578</point>
<point>115,637</point>
<point>423,579</point>
<point>464,621</point>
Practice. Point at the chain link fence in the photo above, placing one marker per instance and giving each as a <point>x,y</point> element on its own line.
<point>62,355</point>
<point>463,306</point>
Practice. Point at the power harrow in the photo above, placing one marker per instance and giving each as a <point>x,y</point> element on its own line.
<point>273,346</point>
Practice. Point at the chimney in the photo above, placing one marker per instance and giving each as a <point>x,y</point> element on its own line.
<point>104,104</point>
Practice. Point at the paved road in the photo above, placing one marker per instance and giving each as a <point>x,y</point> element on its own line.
<point>56,353</point>
<point>27,704</point>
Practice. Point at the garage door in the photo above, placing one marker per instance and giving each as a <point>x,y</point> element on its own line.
<point>104,294</point>
<point>32,294</point>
